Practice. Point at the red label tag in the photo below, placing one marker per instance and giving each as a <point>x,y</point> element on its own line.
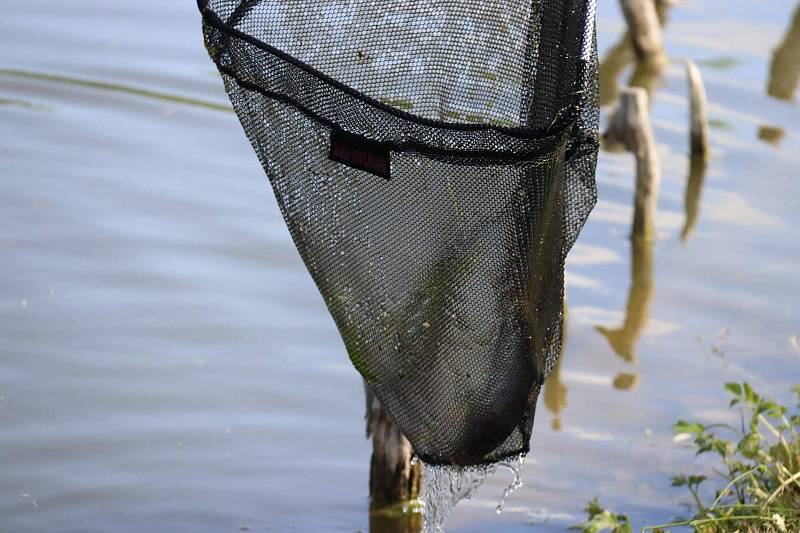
<point>360,153</point>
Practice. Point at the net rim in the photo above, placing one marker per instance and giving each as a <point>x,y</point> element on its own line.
<point>565,119</point>
<point>545,145</point>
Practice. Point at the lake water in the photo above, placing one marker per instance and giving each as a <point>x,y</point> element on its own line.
<point>166,363</point>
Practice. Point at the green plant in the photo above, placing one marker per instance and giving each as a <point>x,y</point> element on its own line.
<point>601,519</point>
<point>759,471</point>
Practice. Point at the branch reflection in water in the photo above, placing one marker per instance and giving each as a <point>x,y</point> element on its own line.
<point>784,72</point>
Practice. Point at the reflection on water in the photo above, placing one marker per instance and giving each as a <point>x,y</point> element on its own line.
<point>623,339</point>
<point>784,72</point>
<point>646,74</point>
<point>395,521</point>
<point>626,381</point>
<point>19,102</point>
<point>771,134</point>
<point>115,87</point>
<point>694,191</point>
<point>555,391</point>
<point>612,65</point>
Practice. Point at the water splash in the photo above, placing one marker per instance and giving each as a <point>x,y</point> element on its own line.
<point>515,466</point>
<point>444,486</point>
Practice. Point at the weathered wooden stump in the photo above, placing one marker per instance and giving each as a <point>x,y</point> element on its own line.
<point>644,27</point>
<point>393,480</point>
<point>630,129</point>
<point>698,111</point>
<point>648,67</point>
<point>699,148</point>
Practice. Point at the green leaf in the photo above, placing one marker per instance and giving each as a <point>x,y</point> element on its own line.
<point>602,520</point>
<point>593,508</point>
<point>734,388</point>
<point>679,481</point>
<point>750,395</point>
<point>624,526</point>
<point>749,446</point>
<point>696,480</point>
<point>720,63</point>
<point>683,426</point>
<point>776,410</point>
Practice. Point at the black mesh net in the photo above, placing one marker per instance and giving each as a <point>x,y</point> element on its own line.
<point>434,162</point>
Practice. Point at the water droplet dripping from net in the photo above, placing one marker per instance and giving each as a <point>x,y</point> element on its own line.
<point>515,466</point>
<point>444,486</point>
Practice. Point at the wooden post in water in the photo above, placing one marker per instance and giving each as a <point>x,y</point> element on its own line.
<point>645,74</point>
<point>644,27</point>
<point>698,109</point>
<point>393,480</point>
<point>698,158</point>
<point>631,130</point>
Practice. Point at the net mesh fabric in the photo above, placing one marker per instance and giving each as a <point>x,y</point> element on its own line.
<point>446,277</point>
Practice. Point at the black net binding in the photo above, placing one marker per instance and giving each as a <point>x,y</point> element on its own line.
<point>434,161</point>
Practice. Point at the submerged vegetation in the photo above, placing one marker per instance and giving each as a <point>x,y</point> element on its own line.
<point>757,473</point>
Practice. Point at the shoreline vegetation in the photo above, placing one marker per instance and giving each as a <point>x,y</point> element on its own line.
<point>756,477</point>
